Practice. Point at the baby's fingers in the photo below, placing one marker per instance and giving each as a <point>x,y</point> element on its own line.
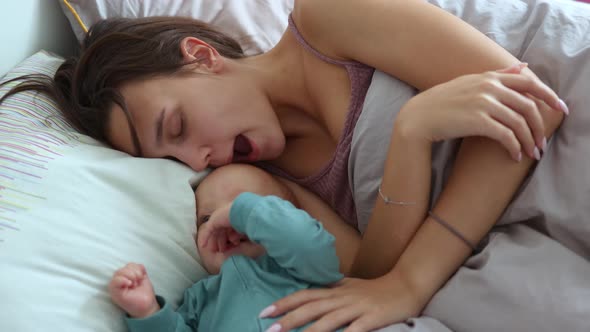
<point>120,281</point>
<point>133,272</point>
<point>204,237</point>
<point>234,237</point>
<point>222,241</point>
<point>138,272</point>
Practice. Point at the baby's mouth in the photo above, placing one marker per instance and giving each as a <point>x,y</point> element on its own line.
<point>242,149</point>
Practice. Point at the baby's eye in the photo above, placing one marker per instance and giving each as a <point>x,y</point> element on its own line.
<point>204,219</point>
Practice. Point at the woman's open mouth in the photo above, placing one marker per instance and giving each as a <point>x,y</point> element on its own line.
<point>244,150</point>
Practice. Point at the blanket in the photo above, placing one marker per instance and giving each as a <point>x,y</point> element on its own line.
<point>532,272</point>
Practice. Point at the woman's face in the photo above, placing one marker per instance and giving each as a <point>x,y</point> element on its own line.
<point>202,120</point>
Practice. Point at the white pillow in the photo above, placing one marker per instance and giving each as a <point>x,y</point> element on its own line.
<point>73,211</point>
<point>256,24</point>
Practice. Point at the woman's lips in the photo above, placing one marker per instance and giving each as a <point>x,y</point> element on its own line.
<point>255,153</point>
<point>244,150</point>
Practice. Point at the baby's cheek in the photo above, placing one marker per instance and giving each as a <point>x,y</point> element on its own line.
<point>211,263</point>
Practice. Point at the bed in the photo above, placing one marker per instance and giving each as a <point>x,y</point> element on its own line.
<point>72,210</point>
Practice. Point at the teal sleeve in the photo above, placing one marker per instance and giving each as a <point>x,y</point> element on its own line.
<point>295,240</point>
<point>165,320</point>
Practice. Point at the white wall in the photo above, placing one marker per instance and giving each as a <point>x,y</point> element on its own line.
<point>27,26</point>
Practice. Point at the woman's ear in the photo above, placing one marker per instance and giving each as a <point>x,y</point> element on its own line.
<point>204,55</point>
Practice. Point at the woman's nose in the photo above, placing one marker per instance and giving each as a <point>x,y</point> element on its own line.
<point>197,160</point>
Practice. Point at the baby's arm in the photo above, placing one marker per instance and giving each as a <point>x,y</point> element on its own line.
<point>295,240</point>
<point>347,237</point>
<point>132,290</point>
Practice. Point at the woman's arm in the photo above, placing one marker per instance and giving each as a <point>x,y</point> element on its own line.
<point>412,40</point>
<point>424,46</point>
<point>454,109</point>
<point>393,225</point>
<point>480,187</point>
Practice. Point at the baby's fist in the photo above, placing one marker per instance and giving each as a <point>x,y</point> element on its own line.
<point>132,290</point>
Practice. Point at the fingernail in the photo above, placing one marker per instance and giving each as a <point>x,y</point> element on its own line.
<point>267,311</point>
<point>544,144</point>
<point>564,107</point>
<point>274,328</point>
<point>519,66</point>
<point>524,65</point>
<point>537,153</point>
<point>519,157</point>
<point>515,66</point>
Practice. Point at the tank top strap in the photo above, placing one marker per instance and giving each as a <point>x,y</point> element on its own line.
<point>315,52</point>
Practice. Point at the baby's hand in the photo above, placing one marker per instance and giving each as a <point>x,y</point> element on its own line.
<point>132,290</point>
<point>217,233</point>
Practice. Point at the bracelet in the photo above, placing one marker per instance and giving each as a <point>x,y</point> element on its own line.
<point>452,230</point>
<point>388,200</point>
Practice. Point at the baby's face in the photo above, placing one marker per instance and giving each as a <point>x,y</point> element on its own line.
<point>222,186</point>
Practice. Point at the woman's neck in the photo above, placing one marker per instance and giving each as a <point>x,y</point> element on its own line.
<point>279,73</point>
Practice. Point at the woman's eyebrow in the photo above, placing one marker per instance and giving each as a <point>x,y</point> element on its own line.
<point>159,128</point>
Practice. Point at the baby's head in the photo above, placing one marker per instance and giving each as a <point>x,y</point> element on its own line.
<point>221,187</point>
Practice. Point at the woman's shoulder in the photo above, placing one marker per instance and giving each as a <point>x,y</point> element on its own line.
<point>314,21</point>
<point>317,12</point>
<point>366,31</point>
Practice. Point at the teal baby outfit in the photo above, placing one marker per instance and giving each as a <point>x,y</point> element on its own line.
<point>300,254</point>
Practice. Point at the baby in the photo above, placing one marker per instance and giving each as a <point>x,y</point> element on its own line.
<point>257,246</point>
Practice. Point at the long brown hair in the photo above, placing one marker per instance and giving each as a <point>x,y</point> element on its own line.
<point>117,51</point>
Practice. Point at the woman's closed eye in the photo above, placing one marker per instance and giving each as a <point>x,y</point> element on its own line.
<point>177,126</point>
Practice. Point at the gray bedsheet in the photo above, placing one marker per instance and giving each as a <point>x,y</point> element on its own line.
<point>533,274</point>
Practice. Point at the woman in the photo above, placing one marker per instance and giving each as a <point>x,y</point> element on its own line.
<point>176,89</point>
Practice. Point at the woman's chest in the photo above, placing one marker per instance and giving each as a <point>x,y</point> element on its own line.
<point>329,91</point>
<point>329,88</point>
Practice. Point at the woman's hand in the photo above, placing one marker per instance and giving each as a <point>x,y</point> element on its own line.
<point>363,305</point>
<point>217,232</point>
<point>131,289</point>
<point>493,104</point>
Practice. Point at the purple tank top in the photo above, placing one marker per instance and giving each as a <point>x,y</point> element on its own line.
<point>331,183</point>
